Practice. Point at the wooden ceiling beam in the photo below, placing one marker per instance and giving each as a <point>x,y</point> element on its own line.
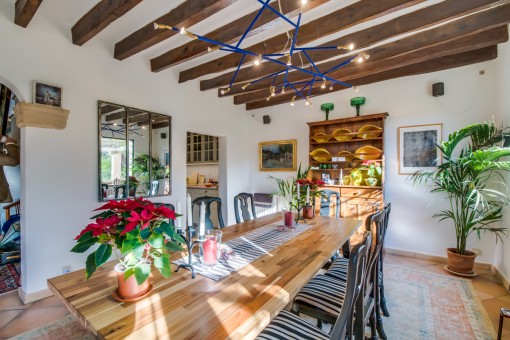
<point>229,33</point>
<point>463,27</point>
<point>359,12</point>
<point>426,17</point>
<point>99,17</point>
<point>439,64</point>
<point>186,14</point>
<point>25,11</point>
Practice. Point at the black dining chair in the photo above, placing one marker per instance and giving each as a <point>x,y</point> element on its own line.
<point>384,308</point>
<point>287,325</point>
<point>244,202</point>
<point>326,202</point>
<point>209,202</point>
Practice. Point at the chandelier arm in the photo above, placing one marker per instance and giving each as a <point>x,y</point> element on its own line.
<point>268,76</point>
<point>278,13</point>
<point>237,71</point>
<point>312,63</point>
<point>340,65</point>
<point>295,35</point>
<point>264,4</point>
<point>316,48</point>
<point>311,87</point>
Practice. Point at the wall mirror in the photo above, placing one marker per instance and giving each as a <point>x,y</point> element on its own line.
<point>134,152</point>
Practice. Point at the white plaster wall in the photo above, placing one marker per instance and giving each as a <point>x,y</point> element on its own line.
<point>59,169</point>
<point>469,98</point>
<point>501,261</point>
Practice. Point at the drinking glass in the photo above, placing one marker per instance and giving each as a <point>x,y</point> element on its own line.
<point>210,248</point>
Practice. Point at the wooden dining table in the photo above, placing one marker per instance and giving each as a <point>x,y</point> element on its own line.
<point>238,306</point>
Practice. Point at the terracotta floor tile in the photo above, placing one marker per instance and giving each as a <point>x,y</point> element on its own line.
<point>506,299</point>
<point>11,300</point>
<point>51,301</point>
<point>489,287</point>
<point>7,316</point>
<point>399,261</point>
<point>33,318</point>
<point>424,262</point>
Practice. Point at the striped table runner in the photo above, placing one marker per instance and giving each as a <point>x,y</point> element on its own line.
<point>247,248</point>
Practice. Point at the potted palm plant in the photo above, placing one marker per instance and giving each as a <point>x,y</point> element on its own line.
<point>471,176</point>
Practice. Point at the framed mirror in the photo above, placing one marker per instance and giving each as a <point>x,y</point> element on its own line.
<point>134,152</point>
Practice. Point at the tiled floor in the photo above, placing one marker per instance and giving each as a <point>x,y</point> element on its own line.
<point>16,318</point>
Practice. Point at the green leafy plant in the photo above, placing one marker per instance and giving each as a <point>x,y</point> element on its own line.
<point>142,163</point>
<point>139,230</point>
<point>471,175</point>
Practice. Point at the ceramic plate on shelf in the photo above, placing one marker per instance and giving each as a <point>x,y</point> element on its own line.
<point>368,152</point>
<point>321,155</point>
<point>320,137</point>
<point>346,154</point>
<point>371,131</point>
<point>342,135</point>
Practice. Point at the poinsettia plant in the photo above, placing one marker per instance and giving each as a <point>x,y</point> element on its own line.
<point>137,229</point>
<point>374,168</point>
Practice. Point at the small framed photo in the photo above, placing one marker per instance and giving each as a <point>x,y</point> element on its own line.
<point>417,148</point>
<point>278,155</point>
<point>47,94</point>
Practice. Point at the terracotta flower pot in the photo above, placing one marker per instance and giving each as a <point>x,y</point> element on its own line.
<point>460,263</point>
<point>307,212</point>
<point>129,290</point>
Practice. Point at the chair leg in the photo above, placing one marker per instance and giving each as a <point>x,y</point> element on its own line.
<point>500,326</point>
<point>373,326</point>
<point>319,323</point>
<point>380,329</point>
<point>382,299</point>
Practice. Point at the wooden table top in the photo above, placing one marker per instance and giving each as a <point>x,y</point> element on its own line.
<point>237,307</point>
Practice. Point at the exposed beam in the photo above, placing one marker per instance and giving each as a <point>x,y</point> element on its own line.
<point>439,64</point>
<point>186,14</point>
<point>359,12</point>
<point>229,34</point>
<point>468,43</point>
<point>122,114</point>
<point>99,17</point>
<point>468,25</point>
<point>25,11</point>
<point>432,15</point>
<point>405,47</point>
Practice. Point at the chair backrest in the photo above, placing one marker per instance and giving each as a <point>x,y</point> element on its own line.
<point>7,209</point>
<point>245,203</point>
<point>154,188</point>
<point>357,271</point>
<point>326,202</point>
<point>208,201</point>
<point>387,209</point>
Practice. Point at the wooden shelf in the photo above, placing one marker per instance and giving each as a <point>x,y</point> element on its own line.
<point>42,116</point>
<point>357,140</point>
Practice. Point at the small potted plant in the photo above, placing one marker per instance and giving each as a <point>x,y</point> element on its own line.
<point>471,176</point>
<point>138,233</point>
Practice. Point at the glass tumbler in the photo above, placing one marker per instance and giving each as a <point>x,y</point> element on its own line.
<point>211,247</point>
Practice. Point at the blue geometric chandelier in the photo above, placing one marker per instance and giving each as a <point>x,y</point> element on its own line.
<point>300,88</point>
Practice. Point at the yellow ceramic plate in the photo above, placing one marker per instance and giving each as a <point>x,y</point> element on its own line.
<point>368,153</point>
<point>342,135</point>
<point>348,155</point>
<point>321,155</point>
<point>372,131</point>
<point>320,137</point>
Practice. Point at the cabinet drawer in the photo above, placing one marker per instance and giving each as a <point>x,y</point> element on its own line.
<point>361,192</point>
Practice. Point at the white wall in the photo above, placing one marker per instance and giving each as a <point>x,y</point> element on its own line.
<point>468,98</point>
<point>59,169</point>
<point>503,110</point>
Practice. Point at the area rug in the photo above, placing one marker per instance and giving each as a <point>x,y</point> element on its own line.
<point>66,328</point>
<point>9,278</point>
<point>425,305</point>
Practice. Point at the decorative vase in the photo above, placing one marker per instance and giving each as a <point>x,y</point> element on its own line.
<point>129,290</point>
<point>356,177</point>
<point>371,181</point>
<point>308,212</point>
<point>460,263</point>
<point>289,218</point>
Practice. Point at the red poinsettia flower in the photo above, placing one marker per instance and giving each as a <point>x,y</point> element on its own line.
<point>102,225</point>
<point>144,219</point>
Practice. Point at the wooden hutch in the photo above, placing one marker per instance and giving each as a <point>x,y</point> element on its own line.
<point>356,201</point>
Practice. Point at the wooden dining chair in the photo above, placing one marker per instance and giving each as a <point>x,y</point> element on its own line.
<point>287,325</point>
<point>326,203</point>
<point>384,308</point>
<point>209,201</point>
<point>245,203</point>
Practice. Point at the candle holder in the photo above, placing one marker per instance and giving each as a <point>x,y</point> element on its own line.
<point>299,217</point>
<point>190,244</point>
<point>307,211</point>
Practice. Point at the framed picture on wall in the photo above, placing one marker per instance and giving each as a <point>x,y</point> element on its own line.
<point>417,148</point>
<point>47,94</point>
<point>278,155</point>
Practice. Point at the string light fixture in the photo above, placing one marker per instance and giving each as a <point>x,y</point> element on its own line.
<point>301,89</point>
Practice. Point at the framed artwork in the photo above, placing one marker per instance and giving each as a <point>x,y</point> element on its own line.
<point>278,155</point>
<point>47,94</point>
<point>417,148</point>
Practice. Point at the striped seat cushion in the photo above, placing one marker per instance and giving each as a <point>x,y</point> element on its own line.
<point>338,269</point>
<point>289,326</point>
<point>323,292</point>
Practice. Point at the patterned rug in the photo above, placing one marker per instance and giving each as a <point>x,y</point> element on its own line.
<point>424,305</point>
<point>9,278</point>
